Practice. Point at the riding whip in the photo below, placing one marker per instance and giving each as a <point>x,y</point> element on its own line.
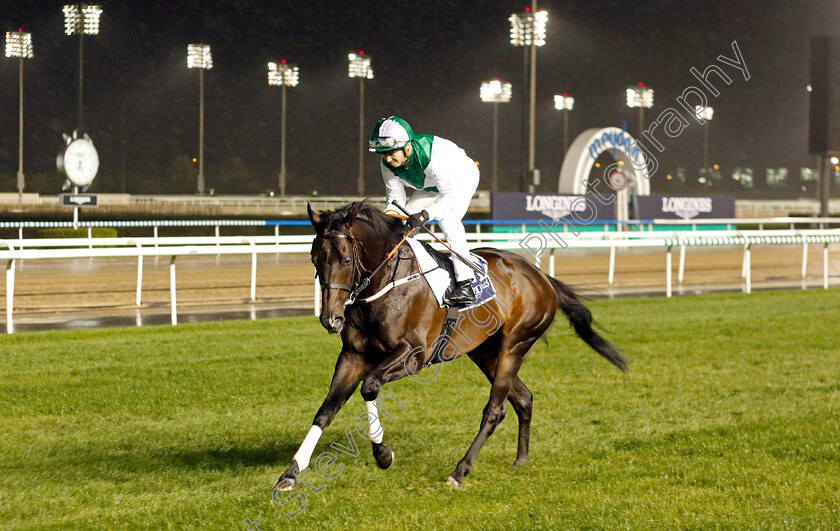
<point>432,234</point>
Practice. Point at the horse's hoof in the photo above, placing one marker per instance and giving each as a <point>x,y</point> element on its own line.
<point>519,463</point>
<point>383,455</point>
<point>285,484</point>
<point>452,482</point>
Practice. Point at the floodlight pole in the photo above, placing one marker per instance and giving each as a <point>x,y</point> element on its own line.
<point>20,136</point>
<point>565,132</point>
<point>81,75</point>
<point>360,182</point>
<point>825,184</point>
<point>495,146</point>
<point>532,105</point>
<point>283,138</point>
<point>200,182</point>
<point>524,148</point>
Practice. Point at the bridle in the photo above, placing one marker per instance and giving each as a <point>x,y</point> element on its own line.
<point>357,286</point>
<point>358,268</point>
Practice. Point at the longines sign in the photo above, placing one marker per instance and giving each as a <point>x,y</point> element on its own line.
<point>685,207</point>
<point>512,205</point>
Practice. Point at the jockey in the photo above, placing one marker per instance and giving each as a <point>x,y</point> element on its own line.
<point>444,180</point>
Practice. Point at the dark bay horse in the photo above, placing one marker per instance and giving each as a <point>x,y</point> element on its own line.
<point>392,336</point>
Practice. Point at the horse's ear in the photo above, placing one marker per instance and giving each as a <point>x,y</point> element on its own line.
<point>314,217</point>
<point>352,212</point>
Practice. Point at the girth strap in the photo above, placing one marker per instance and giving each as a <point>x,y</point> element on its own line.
<point>445,335</point>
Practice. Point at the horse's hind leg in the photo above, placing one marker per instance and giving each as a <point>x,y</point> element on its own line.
<point>506,368</point>
<point>519,397</point>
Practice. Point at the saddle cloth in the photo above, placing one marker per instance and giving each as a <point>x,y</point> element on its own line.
<point>436,268</point>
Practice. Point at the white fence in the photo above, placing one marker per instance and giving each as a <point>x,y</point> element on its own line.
<point>536,245</point>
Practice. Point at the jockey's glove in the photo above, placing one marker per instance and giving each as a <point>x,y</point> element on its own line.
<point>418,219</point>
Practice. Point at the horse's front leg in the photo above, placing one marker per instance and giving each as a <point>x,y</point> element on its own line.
<point>392,368</point>
<point>349,371</point>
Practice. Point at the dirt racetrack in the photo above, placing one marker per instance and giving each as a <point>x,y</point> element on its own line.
<point>53,290</point>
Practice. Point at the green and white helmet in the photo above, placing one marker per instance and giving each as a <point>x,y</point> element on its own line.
<point>389,134</point>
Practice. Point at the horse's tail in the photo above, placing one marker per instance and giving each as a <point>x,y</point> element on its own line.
<point>581,319</point>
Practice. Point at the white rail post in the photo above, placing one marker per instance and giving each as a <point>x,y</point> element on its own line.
<point>173,302</point>
<point>825,265</point>
<point>139,295</point>
<point>217,236</point>
<point>804,257</point>
<point>10,295</point>
<point>748,268</point>
<point>551,263</point>
<point>682,264</point>
<point>744,261</point>
<point>611,274</point>
<point>156,235</point>
<point>668,273</point>
<point>90,237</point>
<point>317,297</point>
<point>253,268</point>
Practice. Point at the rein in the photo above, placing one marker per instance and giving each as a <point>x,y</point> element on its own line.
<point>357,288</point>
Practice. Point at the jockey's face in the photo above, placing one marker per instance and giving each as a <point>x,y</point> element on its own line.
<point>397,157</point>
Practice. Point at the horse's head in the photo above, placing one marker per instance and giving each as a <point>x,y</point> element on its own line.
<point>345,251</point>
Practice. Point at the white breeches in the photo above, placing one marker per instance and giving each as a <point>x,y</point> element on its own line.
<point>450,224</point>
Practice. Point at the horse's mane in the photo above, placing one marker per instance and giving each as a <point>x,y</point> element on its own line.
<point>382,223</point>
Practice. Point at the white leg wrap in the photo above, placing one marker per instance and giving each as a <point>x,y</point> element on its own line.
<point>375,427</point>
<point>304,453</point>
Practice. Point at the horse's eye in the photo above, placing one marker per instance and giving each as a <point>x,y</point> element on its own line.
<point>347,260</point>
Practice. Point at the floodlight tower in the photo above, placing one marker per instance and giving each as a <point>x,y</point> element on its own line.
<point>495,92</point>
<point>702,114</point>
<point>528,30</point>
<point>285,75</point>
<point>81,20</point>
<point>199,56</point>
<point>564,103</point>
<point>642,98</point>
<point>19,44</point>
<point>359,67</point>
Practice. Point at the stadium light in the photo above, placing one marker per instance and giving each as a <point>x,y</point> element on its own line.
<point>81,20</point>
<point>702,114</point>
<point>642,98</point>
<point>528,30</point>
<point>564,102</point>
<point>19,44</point>
<point>283,74</point>
<point>495,92</point>
<point>200,57</point>
<point>359,67</point>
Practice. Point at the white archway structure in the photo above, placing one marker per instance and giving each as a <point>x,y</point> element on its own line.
<point>588,146</point>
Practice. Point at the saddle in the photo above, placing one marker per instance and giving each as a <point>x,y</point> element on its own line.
<point>439,272</point>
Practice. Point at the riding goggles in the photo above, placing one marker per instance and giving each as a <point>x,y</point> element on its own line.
<point>385,143</point>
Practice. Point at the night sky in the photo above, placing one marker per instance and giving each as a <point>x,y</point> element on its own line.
<point>429,59</point>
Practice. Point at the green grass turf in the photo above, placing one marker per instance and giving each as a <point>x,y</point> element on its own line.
<point>727,420</point>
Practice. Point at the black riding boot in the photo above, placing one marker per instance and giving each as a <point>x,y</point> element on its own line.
<point>462,295</point>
